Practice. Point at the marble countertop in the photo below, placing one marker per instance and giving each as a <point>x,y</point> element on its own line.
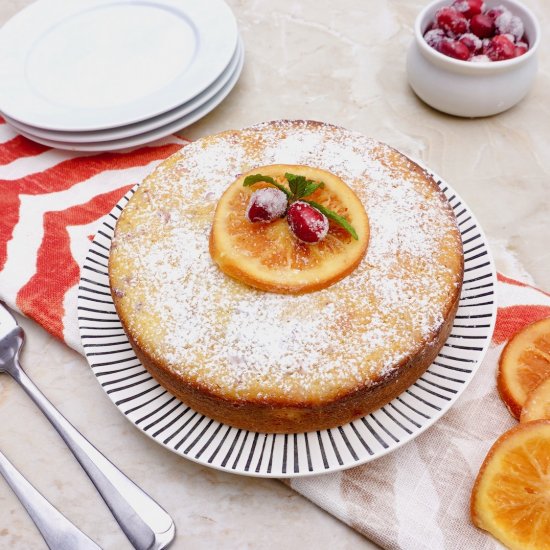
<point>340,62</point>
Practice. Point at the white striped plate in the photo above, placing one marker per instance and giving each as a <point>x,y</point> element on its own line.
<point>170,422</point>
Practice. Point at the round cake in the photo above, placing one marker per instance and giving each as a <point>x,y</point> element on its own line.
<point>275,362</point>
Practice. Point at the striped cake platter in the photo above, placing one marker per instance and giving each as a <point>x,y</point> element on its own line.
<point>188,433</point>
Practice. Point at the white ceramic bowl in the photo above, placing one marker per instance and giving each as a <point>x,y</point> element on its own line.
<point>469,89</point>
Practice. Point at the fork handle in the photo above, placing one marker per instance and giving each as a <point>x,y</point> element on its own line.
<point>58,532</point>
<point>144,522</point>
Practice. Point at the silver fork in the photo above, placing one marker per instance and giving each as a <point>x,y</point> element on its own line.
<point>58,532</point>
<point>144,522</point>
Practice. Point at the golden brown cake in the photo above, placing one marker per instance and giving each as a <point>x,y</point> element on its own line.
<point>273,362</point>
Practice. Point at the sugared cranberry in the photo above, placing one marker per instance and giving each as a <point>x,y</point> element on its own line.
<point>472,42</point>
<point>307,223</point>
<point>454,48</point>
<point>482,25</point>
<point>500,48</point>
<point>521,48</point>
<point>433,37</point>
<point>495,12</point>
<point>506,23</point>
<point>266,205</point>
<point>469,7</point>
<point>451,21</point>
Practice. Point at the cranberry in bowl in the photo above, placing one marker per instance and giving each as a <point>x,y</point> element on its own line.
<point>473,58</point>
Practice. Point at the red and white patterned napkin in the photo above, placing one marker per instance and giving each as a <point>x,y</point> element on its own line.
<point>51,202</point>
<point>414,498</point>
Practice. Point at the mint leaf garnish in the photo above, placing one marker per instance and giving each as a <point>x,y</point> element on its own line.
<point>301,186</point>
<point>342,222</point>
<point>255,178</point>
<point>297,185</point>
<point>311,187</point>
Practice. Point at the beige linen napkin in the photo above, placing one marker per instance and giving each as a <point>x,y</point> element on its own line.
<point>418,496</point>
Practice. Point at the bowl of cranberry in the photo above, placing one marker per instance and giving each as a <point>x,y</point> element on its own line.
<point>473,58</point>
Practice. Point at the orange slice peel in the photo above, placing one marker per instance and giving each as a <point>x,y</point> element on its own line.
<point>268,256</point>
<point>524,364</point>
<point>511,495</point>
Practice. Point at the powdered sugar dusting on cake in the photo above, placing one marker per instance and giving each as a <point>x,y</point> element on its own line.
<point>249,342</point>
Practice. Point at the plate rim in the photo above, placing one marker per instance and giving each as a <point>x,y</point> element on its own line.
<point>141,127</point>
<point>45,14</point>
<point>145,137</point>
<point>445,188</point>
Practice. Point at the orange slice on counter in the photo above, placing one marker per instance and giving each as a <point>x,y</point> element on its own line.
<point>268,256</point>
<point>524,364</point>
<point>511,495</point>
<point>537,406</point>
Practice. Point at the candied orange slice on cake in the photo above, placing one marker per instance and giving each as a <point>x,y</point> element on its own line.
<point>537,405</point>
<point>293,249</point>
<point>524,364</point>
<point>511,495</point>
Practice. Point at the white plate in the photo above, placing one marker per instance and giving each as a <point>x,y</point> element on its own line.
<point>130,130</point>
<point>94,64</point>
<point>146,137</point>
<point>171,423</point>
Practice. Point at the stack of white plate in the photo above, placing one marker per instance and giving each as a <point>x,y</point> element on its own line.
<point>101,75</point>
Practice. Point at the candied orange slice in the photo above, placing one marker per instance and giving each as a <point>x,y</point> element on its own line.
<point>524,364</point>
<point>537,405</point>
<point>511,495</point>
<point>268,256</point>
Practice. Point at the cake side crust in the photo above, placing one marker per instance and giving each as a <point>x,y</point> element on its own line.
<point>277,416</point>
